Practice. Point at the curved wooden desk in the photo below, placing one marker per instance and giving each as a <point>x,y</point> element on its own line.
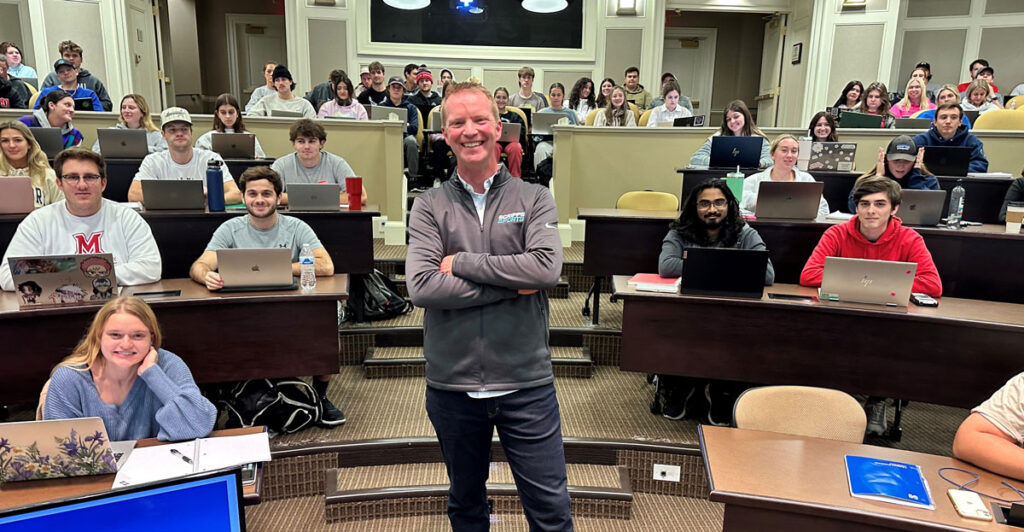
<point>222,337</point>
<point>956,354</point>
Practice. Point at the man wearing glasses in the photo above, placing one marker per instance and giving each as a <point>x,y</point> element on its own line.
<point>85,223</point>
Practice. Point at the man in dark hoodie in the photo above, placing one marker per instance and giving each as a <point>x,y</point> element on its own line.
<point>947,130</point>
<point>12,90</point>
<point>897,161</point>
<point>73,52</point>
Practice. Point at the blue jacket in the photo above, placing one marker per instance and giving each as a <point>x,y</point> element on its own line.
<point>916,180</point>
<point>962,138</point>
<point>80,92</point>
<point>930,115</point>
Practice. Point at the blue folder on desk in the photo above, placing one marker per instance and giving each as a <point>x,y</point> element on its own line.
<point>888,481</point>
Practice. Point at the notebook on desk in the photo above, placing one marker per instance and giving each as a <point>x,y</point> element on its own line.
<point>57,448</point>
<point>877,282</point>
<point>795,200</point>
<point>16,195</point>
<point>725,272</point>
<point>234,145</point>
<point>123,143</point>
<point>733,151</point>
<point>58,280</point>
<point>245,270</point>
<point>173,194</point>
<point>313,197</point>
<point>921,207</point>
<point>947,160</point>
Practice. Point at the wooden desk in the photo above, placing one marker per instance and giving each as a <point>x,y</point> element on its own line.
<point>222,337</point>
<point>772,481</point>
<point>973,263</point>
<point>956,354</point>
<point>984,194</point>
<point>16,494</point>
<point>121,172</point>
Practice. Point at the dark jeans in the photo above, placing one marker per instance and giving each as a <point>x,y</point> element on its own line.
<point>530,431</point>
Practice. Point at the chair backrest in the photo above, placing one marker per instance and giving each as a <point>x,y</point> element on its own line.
<point>918,113</point>
<point>522,114</point>
<point>644,118</point>
<point>419,128</point>
<point>647,200</point>
<point>636,111</point>
<point>32,100</point>
<point>430,119</point>
<point>591,116</point>
<point>1003,119</point>
<point>1016,103</point>
<point>42,400</point>
<point>803,411</point>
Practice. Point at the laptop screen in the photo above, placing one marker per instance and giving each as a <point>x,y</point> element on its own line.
<point>208,501</point>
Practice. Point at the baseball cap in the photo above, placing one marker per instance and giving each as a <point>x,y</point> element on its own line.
<point>174,114</point>
<point>990,70</point>
<point>901,148</point>
<point>364,70</point>
<point>62,62</point>
<point>396,80</point>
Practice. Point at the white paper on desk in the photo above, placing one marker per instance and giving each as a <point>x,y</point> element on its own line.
<point>227,451</point>
<point>839,216</point>
<point>149,464</point>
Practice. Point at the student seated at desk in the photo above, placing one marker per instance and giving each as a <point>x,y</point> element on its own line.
<point>85,223</point>
<point>980,97</point>
<point>948,130</point>
<point>946,94</point>
<point>310,163</point>
<point>135,115</point>
<point>670,109</point>
<point>617,112</point>
<point>67,75</point>
<point>992,435</point>
<point>914,100</point>
<point>119,373</point>
<point>875,233</point>
<point>736,121</point>
<point>344,104</point>
<point>823,128</point>
<point>58,108</point>
<point>876,102</point>
<point>21,156</point>
<point>227,118</point>
<point>710,218</point>
<point>181,160</point>
<point>850,97</point>
<point>284,99</point>
<point>1014,193</point>
<point>899,161</point>
<point>544,145</point>
<point>264,228</point>
<point>784,151</point>
<point>396,98</point>
<point>514,150</point>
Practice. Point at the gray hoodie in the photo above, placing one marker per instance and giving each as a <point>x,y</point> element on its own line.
<point>479,333</point>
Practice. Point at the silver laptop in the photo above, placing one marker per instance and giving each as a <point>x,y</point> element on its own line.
<point>277,113</point>
<point>878,282</point>
<point>796,200</point>
<point>55,448</point>
<point>542,122</point>
<point>510,132</point>
<point>313,197</point>
<point>379,112</point>
<point>178,194</point>
<point>60,280</point>
<point>921,207</point>
<point>123,143</point>
<point>834,156</point>
<point>255,269</point>
<point>234,145</point>
<point>49,139</point>
<point>16,195</point>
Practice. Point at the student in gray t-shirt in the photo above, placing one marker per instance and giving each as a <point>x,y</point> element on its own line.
<point>310,164</point>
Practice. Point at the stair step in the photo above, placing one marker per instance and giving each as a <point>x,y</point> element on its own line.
<point>408,361</point>
<point>360,493</point>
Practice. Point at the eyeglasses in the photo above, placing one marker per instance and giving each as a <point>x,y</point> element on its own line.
<point>705,204</point>
<point>88,178</point>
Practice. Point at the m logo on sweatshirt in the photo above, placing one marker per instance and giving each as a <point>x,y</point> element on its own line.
<point>88,245</point>
<point>512,218</point>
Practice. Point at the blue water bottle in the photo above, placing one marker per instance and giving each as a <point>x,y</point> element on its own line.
<point>215,186</point>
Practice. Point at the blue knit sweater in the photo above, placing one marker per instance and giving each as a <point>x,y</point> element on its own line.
<point>164,402</point>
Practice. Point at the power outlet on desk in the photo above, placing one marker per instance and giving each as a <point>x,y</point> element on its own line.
<point>668,473</point>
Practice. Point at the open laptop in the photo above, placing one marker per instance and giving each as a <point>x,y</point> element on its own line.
<point>379,112</point>
<point>797,200</point>
<point>732,151</point>
<point>724,272</point>
<point>313,197</point>
<point>173,194</point>
<point>947,160</point>
<point>234,145</point>
<point>277,113</point>
<point>57,280</point>
<point>921,207</point>
<point>542,123</point>
<point>833,156</point>
<point>84,104</point>
<point>920,124</point>
<point>50,140</point>
<point>123,143</point>
<point>689,121</point>
<point>56,448</point>
<point>510,132</point>
<point>16,195</point>
<point>859,120</point>
<point>972,116</point>
<point>878,282</point>
<point>245,270</point>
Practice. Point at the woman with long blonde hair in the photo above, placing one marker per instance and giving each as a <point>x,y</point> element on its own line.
<point>135,115</point>
<point>914,100</point>
<point>21,156</point>
<point>119,373</point>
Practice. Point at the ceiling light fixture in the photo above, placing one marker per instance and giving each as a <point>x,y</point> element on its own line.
<point>408,5</point>
<point>545,6</point>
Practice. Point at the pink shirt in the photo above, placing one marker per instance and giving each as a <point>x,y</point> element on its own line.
<point>899,112</point>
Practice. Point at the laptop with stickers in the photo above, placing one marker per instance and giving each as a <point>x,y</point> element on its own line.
<point>59,280</point>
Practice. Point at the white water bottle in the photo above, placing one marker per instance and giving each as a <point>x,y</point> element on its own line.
<point>307,278</point>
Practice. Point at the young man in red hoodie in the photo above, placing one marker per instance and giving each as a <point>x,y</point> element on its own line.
<point>875,233</point>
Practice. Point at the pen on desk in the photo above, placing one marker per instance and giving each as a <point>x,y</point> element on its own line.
<point>177,453</point>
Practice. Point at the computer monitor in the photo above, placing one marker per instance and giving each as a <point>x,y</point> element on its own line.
<point>210,501</point>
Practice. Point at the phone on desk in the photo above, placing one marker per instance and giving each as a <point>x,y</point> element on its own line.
<point>248,474</point>
<point>968,504</point>
<point>923,300</point>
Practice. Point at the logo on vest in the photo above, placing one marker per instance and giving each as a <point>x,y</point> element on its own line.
<point>88,245</point>
<point>512,218</point>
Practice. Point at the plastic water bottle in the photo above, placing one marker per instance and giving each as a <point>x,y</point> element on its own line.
<point>215,186</point>
<point>307,279</point>
<point>956,205</point>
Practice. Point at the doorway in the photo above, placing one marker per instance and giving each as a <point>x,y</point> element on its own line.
<point>771,71</point>
<point>252,41</point>
<point>689,54</point>
<point>143,47</point>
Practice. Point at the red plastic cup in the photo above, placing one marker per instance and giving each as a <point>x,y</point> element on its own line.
<point>354,188</point>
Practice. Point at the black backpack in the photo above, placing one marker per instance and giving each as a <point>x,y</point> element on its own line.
<point>381,299</point>
<point>283,405</point>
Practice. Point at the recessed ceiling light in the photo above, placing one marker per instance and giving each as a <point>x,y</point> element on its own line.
<point>545,6</point>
